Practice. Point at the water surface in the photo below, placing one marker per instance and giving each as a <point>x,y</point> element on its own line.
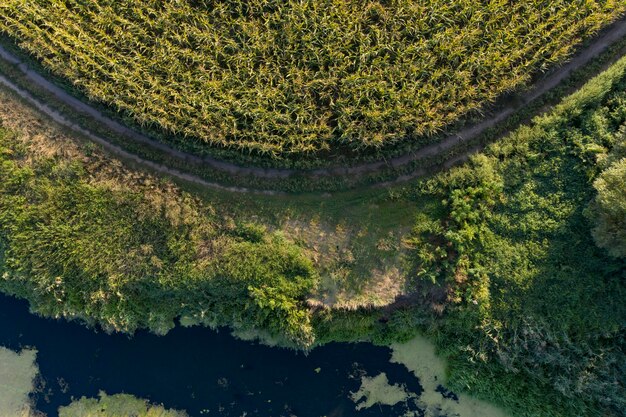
<point>199,370</point>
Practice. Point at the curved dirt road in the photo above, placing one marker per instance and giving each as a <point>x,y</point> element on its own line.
<point>613,34</point>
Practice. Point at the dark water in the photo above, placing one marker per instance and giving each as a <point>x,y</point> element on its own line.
<point>197,369</point>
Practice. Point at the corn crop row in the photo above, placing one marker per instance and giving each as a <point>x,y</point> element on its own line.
<point>287,78</point>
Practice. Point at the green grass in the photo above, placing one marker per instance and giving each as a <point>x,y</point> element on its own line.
<point>300,80</point>
<point>79,247</point>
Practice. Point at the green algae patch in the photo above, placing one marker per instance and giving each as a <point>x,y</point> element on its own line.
<point>120,405</point>
<point>378,390</point>
<point>419,356</point>
<point>17,374</point>
<point>259,336</point>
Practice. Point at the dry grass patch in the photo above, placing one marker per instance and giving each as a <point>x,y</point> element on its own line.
<point>358,268</point>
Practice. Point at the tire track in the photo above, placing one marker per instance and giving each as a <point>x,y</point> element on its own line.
<point>613,34</point>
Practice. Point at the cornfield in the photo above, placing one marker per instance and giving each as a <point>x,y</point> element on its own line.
<point>291,79</point>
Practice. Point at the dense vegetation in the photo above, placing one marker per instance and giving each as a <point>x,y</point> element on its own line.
<point>536,312</point>
<point>139,255</point>
<point>608,210</point>
<point>293,79</point>
<point>517,264</point>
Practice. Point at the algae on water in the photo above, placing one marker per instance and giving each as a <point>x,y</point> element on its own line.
<point>120,405</point>
<point>378,390</point>
<point>17,374</point>
<point>419,356</point>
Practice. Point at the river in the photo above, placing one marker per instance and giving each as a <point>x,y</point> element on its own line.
<point>199,370</point>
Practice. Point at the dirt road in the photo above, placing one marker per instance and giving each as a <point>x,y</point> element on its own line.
<point>597,46</point>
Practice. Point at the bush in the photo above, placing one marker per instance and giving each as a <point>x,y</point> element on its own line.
<point>609,209</point>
